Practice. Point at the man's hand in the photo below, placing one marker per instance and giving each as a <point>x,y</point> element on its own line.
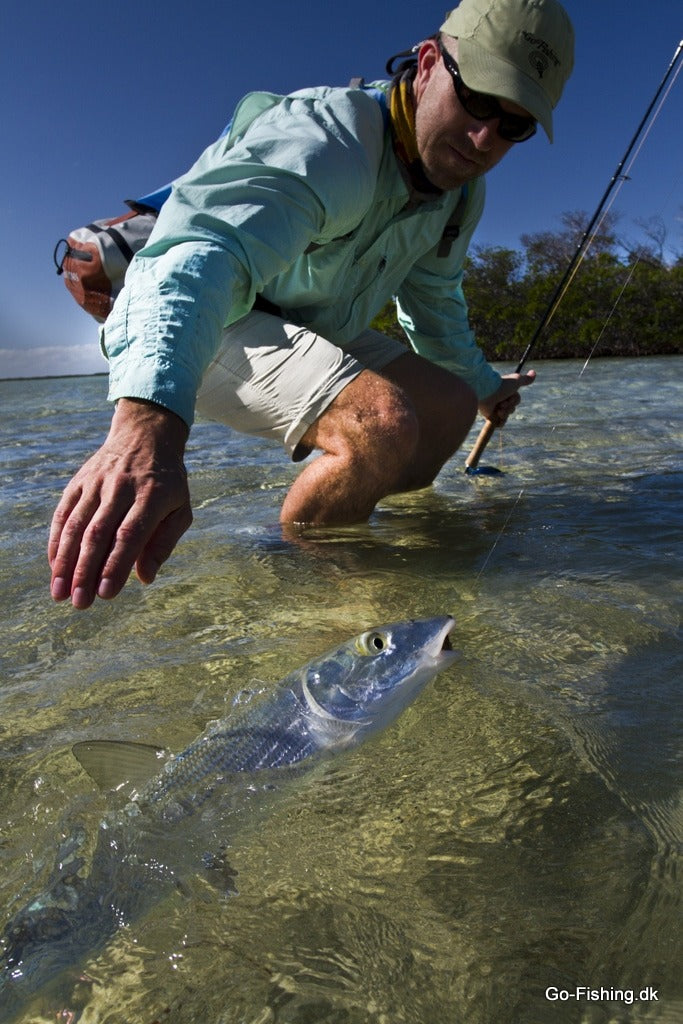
<point>128,506</point>
<point>498,406</point>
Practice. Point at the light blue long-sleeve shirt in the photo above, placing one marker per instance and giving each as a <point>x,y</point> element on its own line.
<point>304,203</point>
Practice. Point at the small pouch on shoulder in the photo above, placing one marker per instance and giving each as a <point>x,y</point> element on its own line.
<point>94,259</point>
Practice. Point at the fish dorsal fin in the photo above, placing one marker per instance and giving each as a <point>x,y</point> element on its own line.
<point>118,765</point>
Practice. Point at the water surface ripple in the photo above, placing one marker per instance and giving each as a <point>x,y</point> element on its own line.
<point>515,836</point>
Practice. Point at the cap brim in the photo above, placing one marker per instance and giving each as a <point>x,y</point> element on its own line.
<point>485,73</point>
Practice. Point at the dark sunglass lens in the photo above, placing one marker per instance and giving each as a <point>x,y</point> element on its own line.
<point>513,127</point>
<point>477,104</point>
<point>516,129</point>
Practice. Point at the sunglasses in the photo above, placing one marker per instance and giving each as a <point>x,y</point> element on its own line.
<point>512,127</point>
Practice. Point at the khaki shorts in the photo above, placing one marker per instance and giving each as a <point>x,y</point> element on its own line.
<point>274,379</point>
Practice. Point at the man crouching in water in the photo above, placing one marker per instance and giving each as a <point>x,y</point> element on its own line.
<point>251,301</point>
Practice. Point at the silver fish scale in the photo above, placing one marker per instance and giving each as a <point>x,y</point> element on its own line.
<point>276,736</point>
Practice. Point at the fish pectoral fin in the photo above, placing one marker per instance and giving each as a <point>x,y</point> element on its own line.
<point>335,733</point>
<point>119,765</point>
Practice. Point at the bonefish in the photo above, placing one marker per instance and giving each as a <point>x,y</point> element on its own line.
<point>330,704</point>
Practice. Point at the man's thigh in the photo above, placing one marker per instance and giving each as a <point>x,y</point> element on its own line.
<point>445,406</point>
<point>275,379</point>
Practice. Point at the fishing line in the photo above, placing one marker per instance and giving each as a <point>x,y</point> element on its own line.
<point>638,260</point>
<point>609,317</point>
<point>501,532</point>
<point>659,108</point>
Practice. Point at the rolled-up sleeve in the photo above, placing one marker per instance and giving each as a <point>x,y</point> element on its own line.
<point>432,309</point>
<point>162,332</point>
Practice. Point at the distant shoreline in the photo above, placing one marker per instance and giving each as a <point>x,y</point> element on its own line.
<point>539,359</point>
<point>57,376</point>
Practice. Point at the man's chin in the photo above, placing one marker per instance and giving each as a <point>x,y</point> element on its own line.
<point>448,181</point>
<point>452,171</point>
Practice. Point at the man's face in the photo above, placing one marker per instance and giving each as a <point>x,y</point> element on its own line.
<point>454,146</point>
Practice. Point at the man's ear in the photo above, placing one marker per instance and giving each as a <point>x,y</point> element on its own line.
<point>428,57</point>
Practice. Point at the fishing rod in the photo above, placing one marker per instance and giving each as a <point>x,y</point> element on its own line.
<point>472,461</point>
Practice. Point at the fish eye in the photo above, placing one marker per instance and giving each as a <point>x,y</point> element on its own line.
<point>372,643</point>
<point>375,642</point>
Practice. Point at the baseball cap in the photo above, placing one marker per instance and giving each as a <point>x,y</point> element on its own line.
<point>519,50</point>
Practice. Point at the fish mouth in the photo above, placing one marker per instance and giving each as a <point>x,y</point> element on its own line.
<point>441,648</point>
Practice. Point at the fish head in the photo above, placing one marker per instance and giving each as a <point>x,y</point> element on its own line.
<point>364,685</point>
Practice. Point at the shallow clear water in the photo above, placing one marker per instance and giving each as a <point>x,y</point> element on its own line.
<point>516,831</point>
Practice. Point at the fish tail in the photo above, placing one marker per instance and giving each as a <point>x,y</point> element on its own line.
<point>53,931</point>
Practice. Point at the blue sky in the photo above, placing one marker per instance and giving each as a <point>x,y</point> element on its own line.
<point>102,102</point>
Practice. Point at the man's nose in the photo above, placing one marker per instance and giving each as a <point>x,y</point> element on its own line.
<point>483,134</point>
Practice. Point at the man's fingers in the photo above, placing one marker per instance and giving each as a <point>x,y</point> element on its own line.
<point>87,539</point>
<point>94,557</point>
<point>161,543</point>
<point>504,409</point>
<point>70,525</point>
<point>68,502</point>
<point>508,397</point>
<point>94,549</point>
<point>112,547</point>
<point>107,565</point>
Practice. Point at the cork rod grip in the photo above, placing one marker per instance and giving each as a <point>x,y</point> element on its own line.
<point>485,436</point>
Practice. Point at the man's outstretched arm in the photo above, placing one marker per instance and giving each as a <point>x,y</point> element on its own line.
<point>127,506</point>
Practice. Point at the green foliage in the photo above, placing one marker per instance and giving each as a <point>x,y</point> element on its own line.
<point>386,322</point>
<point>620,301</point>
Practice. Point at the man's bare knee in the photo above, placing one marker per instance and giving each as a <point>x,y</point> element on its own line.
<point>368,436</point>
<point>372,421</point>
